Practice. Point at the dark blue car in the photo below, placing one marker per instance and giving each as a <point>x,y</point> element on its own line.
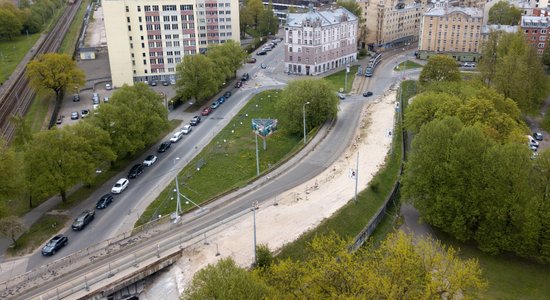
<point>221,100</point>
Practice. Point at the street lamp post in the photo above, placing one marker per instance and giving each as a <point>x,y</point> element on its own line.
<point>255,206</point>
<point>178,204</point>
<point>304,115</point>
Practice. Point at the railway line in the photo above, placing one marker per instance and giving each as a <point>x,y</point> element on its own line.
<point>18,96</point>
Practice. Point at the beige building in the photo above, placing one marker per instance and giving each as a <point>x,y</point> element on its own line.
<point>392,23</point>
<point>320,40</point>
<point>455,31</point>
<point>146,39</point>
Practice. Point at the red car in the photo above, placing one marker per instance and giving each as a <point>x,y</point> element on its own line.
<point>206,111</point>
<point>238,84</point>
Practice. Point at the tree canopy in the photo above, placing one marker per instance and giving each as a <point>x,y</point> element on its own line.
<point>504,13</point>
<point>512,67</point>
<point>199,78</point>
<point>323,103</point>
<point>228,57</point>
<point>439,68</point>
<point>261,19</point>
<point>133,118</point>
<point>398,269</point>
<point>11,227</point>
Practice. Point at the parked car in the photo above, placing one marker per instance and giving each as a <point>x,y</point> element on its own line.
<point>245,77</point>
<point>214,105</point>
<point>227,94</point>
<point>367,94</point>
<point>172,81</point>
<point>238,84</point>
<point>104,201</point>
<point>57,242</point>
<point>106,99</point>
<point>76,97</point>
<point>263,66</point>
<point>251,60</point>
<point>261,52</point>
<point>150,160</point>
<point>83,219</point>
<point>84,113</point>
<point>136,170</point>
<point>532,141</point>
<point>538,136</point>
<point>95,98</point>
<point>221,100</point>
<point>186,129</point>
<point>108,86</point>
<point>206,111</point>
<point>176,137</point>
<point>341,96</point>
<point>153,83</point>
<point>166,83</point>
<point>59,120</point>
<point>195,121</point>
<point>74,115</point>
<point>120,186</point>
<point>164,146</point>
<point>469,65</point>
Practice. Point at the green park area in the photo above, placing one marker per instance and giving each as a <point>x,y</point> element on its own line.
<point>407,65</point>
<point>13,51</point>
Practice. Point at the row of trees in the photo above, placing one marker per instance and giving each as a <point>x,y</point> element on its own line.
<point>253,15</point>
<point>29,18</point>
<point>398,269</point>
<point>470,172</point>
<point>504,13</point>
<point>201,76</point>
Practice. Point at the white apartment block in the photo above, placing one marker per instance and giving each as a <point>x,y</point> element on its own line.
<point>146,39</point>
<point>319,41</point>
<point>392,23</point>
<point>543,4</point>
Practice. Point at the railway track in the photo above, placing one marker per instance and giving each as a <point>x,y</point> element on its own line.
<point>18,97</point>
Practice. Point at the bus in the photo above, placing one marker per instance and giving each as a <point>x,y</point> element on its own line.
<point>373,62</point>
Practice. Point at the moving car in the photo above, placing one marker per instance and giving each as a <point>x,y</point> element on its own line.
<point>186,129</point>
<point>367,94</point>
<point>164,146</point>
<point>85,218</point>
<point>207,110</point>
<point>214,105</point>
<point>195,121</point>
<point>149,160</point>
<point>120,186</point>
<point>245,77</point>
<point>176,137</point>
<point>76,97</point>
<point>57,242</point>
<point>136,170</point>
<point>104,201</point>
<point>74,115</point>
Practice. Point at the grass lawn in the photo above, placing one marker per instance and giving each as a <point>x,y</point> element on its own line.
<point>338,79</point>
<point>40,232</point>
<point>229,161</point>
<point>11,53</point>
<point>407,65</point>
<point>70,40</point>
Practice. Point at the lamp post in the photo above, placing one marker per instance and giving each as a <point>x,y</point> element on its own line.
<point>177,190</point>
<point>255,206</point>
<point>304,115</point>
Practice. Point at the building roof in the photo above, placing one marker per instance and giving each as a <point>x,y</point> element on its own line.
<point>533,21</point>
<point>444,11</point>
<point>506,28</point>
<point>325,17</point>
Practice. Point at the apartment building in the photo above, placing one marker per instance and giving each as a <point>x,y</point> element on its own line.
<point>320,40</point>
<point>537,31</point>
<point>146,39</point>
<point>544,4</point>
<point>451,30</point>
<point>392,23</point>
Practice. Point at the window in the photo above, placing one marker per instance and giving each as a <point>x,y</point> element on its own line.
<point>140,27</point>
<point>155,8</point>
<point>174,18</point>
<point>147,7</point>
<point>174,26</point>
<point>148,19</point>
<point>166,18</point>
<point>129,28</point>
<point>128,19</point>
<point>127,9</point>
<point>139,8</point>
<point>541,45</point>
<point>186,7</point>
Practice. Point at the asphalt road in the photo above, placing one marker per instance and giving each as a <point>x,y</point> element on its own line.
<point>112,220</point>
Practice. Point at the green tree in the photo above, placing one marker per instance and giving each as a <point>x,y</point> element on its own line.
<point>439,68</point>
<point>23,132</point>
<point>268,23</point>
<point>225,280</point>
<point>546,58</point>
<point>11,181</point>
<point>356,9</point>
<point>198,78</point>
<point>11,227</point>
<point>10,24</point>
<point>228,57</point>
<point>255,9</point>
<point>323,104</point>
<point>133,118</point>
<point>55,72</point>
<point>512,67</point>
<point>245,19</point>
<point>504,13</point>
<point>264,256</point>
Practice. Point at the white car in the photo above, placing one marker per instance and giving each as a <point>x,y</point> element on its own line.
<point>120,186</point>
<point>108,86</point>
<point>186,129</point>
<point>176,137</point>
<point>149,160</point>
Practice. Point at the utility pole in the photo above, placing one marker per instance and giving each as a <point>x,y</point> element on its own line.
<point>356,175</point>
<point>254,207</point>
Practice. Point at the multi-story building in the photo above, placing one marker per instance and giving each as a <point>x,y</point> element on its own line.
<point>544,4</point>
<point>320,40</point>
<point>537,31</point>
<point>281,7</point>
<point>146,39</point>
<point>455,31</point>
<point>392,23</point>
